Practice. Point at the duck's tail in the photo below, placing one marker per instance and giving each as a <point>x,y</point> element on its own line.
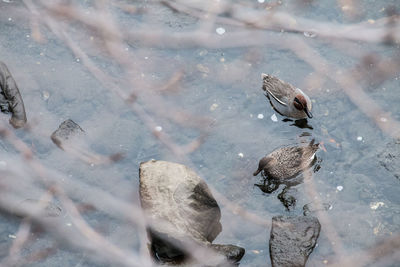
<point>313,145</point>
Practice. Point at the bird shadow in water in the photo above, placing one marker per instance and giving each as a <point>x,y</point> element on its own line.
<point>302,123</point>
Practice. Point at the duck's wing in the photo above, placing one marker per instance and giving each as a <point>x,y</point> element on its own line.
<point>277,88</point>
<point>288,157</point>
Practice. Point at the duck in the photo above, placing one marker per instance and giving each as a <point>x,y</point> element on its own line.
<point>286,99</point>
<point>287,162</point>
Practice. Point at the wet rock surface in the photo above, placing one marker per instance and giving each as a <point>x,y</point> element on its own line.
<point>292,239</point>
<point>182,211</point>
<point>10,98</point>
<point>390,158</point>
<point>314,207</point>
<point>66,134</point>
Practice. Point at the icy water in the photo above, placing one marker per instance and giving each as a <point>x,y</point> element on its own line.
<point>225,86</point>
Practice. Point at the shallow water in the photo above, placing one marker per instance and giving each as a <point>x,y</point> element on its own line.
<point>225,86</point>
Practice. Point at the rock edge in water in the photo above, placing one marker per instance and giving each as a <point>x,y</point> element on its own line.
<point>10,98</point>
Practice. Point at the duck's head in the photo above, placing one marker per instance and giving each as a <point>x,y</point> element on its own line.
<point>300,103</point>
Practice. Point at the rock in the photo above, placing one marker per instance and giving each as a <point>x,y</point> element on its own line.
<point>182,211</point>
<point>67,132</point>
<point>10,98</point>
<point>292,239</point>
<point>390,158</point>
<point>313,207</point>
<point>232,253</point>
<point>287,197</point>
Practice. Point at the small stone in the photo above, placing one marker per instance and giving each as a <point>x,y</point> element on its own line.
<point>158,128</point>
<point>9,19</point>
<point>371,21</point>
<point>310,34</point>
<point>383,119</point>
<point>213,107</point>
<point>202,68</point>
<point>77,60</point>
<point>220,30</point>
<point>346,8</point>
<point>261,1</point>
<point>260,116</point>
<point>274,118</point>
<point>359,138</point>
<point>12,236</point>
<point>376,205</point>
<point>240,155</point>
<point>45,95</point>
<point>339,188</point>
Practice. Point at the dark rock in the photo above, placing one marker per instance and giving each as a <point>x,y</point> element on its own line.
<point>182,211</point>
<point>390,158</point>
<point>292,239</point>
<point>66,133</point>
<point>231,252</point>
<point>287,197</point>
<point>10,98</point>
<point>313,207</point>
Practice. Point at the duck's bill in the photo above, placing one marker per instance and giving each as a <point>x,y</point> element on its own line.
<point>308,113</point>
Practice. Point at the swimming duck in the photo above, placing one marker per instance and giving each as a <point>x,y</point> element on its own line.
<point>287,162</point>
<point>286,99</point>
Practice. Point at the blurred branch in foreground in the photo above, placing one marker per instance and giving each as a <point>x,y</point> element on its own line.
<point>249,26</point>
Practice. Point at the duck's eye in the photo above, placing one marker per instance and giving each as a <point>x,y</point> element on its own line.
<point>298,104</point>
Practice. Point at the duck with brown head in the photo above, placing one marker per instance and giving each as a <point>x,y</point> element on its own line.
<point>286,99</point>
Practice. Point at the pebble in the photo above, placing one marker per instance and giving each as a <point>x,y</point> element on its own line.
<point>213,107</point>
<point>274,118</point>
<point>45,95</point>
<point>339,188</point>
<point>158,128</point>
<point>12,236</point>
<point>310,34</point>
<point>240,155</point>
<point>260,116</point>
<point>359,138</point>
<point>220,30</point>
<point>376,205</point>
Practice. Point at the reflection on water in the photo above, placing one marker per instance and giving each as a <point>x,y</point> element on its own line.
<point>225,86</point>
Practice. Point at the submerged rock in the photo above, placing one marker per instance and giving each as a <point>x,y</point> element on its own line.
<point>292,239</point>
<point>314,207</point>
<point>66,133</point>
<point>182,211</point>
<point>43,208</point>
<point>390,158</point>
<point>10,98</point>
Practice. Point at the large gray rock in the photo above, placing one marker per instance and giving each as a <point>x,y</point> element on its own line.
<point>182,211</point>
<point>10,98</point>
<point>292,240</point>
